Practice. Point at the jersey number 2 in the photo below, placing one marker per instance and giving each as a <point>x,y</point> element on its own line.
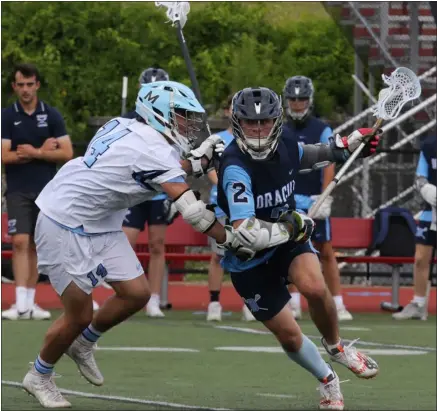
<point>101,142</point>
<point>239,196</point>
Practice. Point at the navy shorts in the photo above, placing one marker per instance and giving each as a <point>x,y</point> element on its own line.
<point>322,231</point>
<point>152,212</point>
<point>264,287</point>
<point>424,235</point>
<point>22,212</point>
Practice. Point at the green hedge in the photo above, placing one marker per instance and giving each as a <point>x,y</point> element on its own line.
<point>84,48</point>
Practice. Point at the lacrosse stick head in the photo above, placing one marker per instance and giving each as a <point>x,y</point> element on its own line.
<point>403,86</point>
<point>176,10</point>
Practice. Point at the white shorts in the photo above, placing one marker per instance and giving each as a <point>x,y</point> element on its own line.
<point>213,243</point>
<point>65,256</point>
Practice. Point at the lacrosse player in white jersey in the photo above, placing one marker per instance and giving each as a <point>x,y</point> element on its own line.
<point>79,237</point>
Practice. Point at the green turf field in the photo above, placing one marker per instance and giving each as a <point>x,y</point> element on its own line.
<point>211,373</point>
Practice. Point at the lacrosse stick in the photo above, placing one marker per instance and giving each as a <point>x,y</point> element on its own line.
<point>177,13</point>
<point>403,86</point>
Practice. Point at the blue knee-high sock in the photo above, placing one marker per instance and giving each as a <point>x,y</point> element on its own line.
<point>43,367</point>
<point>91,334</point>
<point>309,358</point>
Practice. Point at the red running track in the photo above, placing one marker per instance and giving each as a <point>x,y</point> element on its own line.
<point>191,296</point>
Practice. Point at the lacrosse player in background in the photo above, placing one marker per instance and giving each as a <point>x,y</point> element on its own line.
<point>307,129</point>
<point>159,213</point>
<point>426,181</point>
<point>255,190</point>
<point>79,237</point>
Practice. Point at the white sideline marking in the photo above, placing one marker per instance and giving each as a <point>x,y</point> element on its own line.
<point>354,328</point>
<point>241,329</point>
<point>317,337</point>
<point>124,399</point>
<point>276,350</point>
<point>267,394</point>
<point>148,349</point>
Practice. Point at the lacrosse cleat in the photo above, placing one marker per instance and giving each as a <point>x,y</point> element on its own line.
<point>44,389</point>
<point>153,311</point>
<point>330,393</point>
<point>343,314</point>
<point>360,364</point>
<point>214,311</point>
<point>296,310</point>
<point>412,311</point>
<point>247,315</point>
<point>82,353</point>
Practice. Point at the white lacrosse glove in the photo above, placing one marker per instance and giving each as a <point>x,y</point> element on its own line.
<point>233,244</point>
<point>211,149</point>
<point>354,140</point>
<point>324,210</point>
<point>429,194</point>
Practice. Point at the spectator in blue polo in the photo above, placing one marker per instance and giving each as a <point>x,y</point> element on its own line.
<point>34,140</point>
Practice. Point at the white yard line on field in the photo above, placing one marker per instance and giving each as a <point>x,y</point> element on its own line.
<point>124,399</point>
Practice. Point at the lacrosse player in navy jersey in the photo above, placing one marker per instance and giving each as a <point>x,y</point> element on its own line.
<point>426,181</point>
<point>305,128</point>
<point>255,189</point>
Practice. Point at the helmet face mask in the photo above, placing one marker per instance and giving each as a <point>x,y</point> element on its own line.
<point>172,109</point>
<point>257,122</point>
<point>299,97</point>
<point>187,124</point>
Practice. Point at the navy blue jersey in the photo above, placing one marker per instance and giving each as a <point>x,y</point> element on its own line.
<point>33,129</point>
<point>427,167</point>
<point>263,189</point>
<point>312,131</point>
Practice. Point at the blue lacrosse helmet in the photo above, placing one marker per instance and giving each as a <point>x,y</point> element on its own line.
<point>172,109</point>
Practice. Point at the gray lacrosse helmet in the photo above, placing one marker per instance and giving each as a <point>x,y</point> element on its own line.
<point>256,104</point>
<point>299,88</point>
<point>152,74</point>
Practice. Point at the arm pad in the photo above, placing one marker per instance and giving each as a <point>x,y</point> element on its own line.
<point>427,191</point>
<point>318,156</point>
<point>195,212</point>
<point>258,234</point>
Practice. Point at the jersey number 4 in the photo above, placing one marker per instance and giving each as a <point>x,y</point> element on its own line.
<point>102,141</point>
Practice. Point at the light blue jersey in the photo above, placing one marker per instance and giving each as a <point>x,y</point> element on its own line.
<point>227,137</point>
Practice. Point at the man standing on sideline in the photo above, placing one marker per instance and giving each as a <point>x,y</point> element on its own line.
<point>215,270</point>
<point>307,129</point>
<point>34,139</point>
<point>158,214</point>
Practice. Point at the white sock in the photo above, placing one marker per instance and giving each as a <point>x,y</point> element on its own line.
<point>31,297</point>
<point>154,299</point>
<point>420,301</point>
<point>338,299</point>
<point>21,299</point>
<point>295,299</point>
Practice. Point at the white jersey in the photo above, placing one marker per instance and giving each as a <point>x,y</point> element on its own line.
<point>124,165</point>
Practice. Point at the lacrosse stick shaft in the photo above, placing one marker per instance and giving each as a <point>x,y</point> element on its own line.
<point>330,188</point>
<point>188,62</point>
